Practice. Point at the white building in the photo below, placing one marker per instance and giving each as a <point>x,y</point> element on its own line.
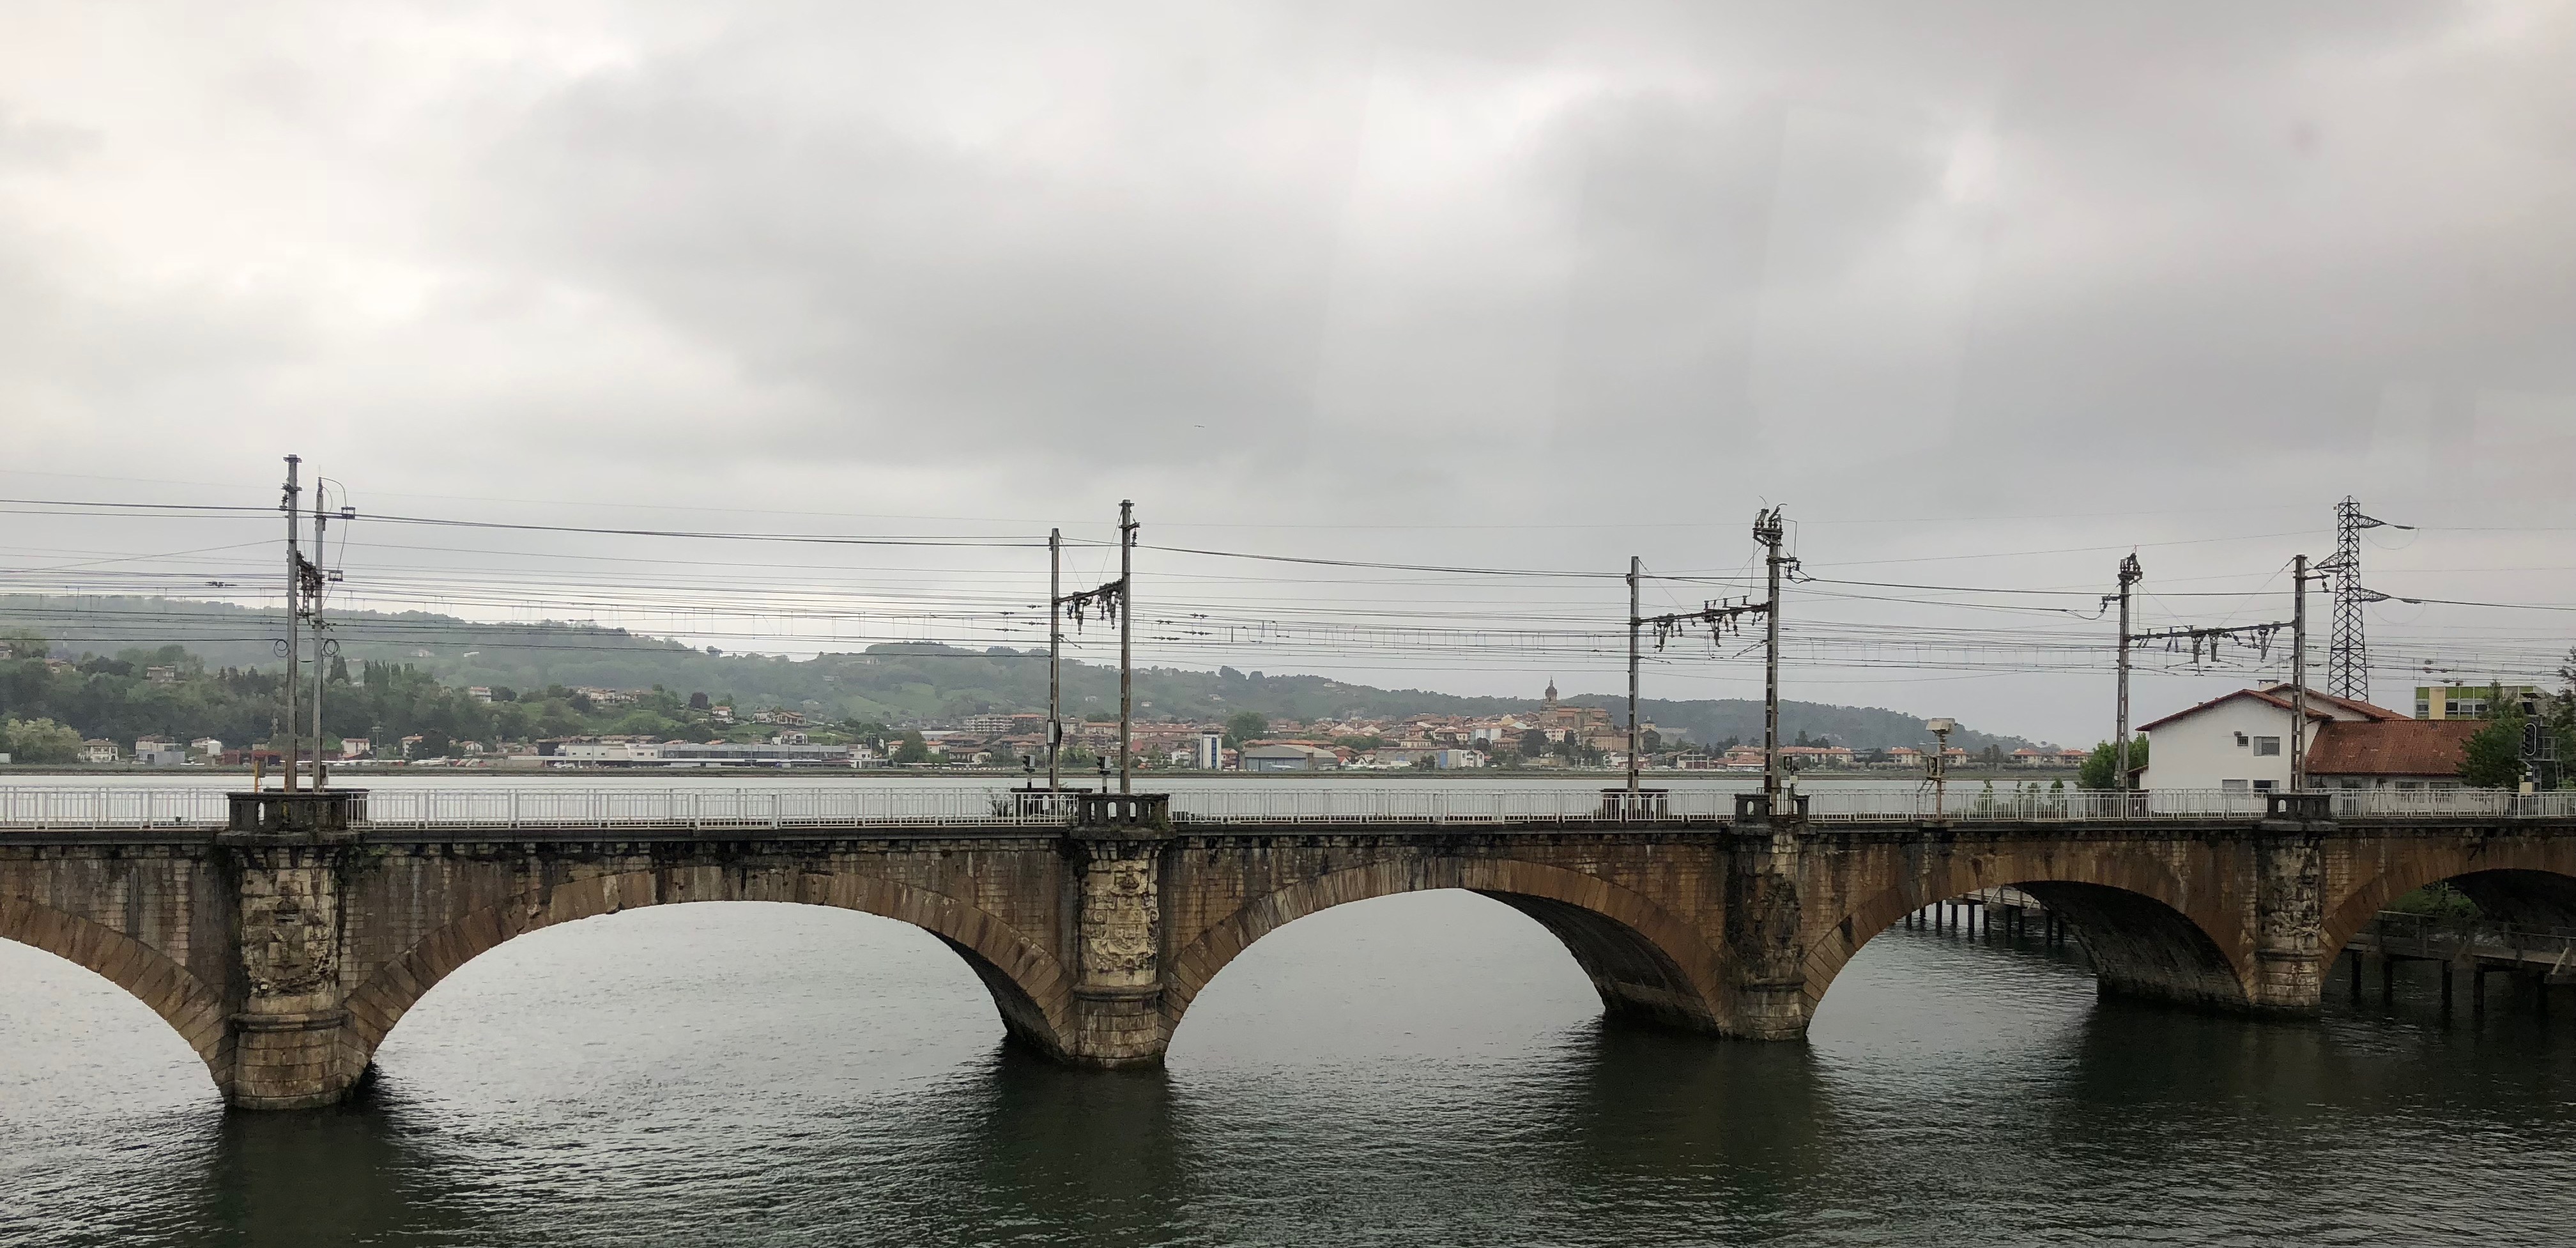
<point>1210,754</point>
<point>1289,756</point>
<point>2240,740</point>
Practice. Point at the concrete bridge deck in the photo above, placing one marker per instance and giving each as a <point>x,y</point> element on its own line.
<point>284,946</point>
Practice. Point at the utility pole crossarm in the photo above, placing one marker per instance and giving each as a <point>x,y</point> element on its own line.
<point>2205,640</point>
<point>1719,617</point>
<point>1106,599</point>
<point>1114,603</point>
<point>2184,632</point>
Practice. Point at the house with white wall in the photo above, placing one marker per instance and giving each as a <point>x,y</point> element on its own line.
<point>2241,740</point>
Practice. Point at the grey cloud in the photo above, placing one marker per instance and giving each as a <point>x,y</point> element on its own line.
<point>1444,263</point>
<point>1716,252</point>
<point>33,143</point>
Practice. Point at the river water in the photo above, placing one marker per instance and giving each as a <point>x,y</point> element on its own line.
<point>1426,1069</point>
<point>1411,1070</point>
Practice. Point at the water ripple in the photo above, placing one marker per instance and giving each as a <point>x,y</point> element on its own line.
<point>1420,1070</point>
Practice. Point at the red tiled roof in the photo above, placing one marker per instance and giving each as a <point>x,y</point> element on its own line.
<point>2400,747</point>
<point>2256,694</point>
<point>2280,695</point>
<point>2363,709</point>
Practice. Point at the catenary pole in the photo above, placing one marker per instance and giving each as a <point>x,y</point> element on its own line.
<point>2130,575</point>
<point>313,594</point>
<point>1126,635</point>
<point>1635,741</point>
<point>1055,657</point>
<point>1768,530</point>
<point>294,597</point>
<point>2299,674</point>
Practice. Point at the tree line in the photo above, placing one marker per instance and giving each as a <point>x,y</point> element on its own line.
<point>48,707</point>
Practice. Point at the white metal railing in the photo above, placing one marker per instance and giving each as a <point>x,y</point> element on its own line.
<point>1301,803</point>
<point>68,807</point>
<point>2458,803</point>
<point>2029,805</point>
<point>805,806</point>
<point>716,808</point>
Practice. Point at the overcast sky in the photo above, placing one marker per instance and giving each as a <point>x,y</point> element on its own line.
<point>1984,294</point>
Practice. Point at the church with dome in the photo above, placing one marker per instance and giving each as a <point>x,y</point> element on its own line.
<point>1557,718</point>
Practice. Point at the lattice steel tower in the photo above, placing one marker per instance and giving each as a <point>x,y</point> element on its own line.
<point>2347,650</point>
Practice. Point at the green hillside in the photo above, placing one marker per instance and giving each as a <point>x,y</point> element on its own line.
<point>891,684</point>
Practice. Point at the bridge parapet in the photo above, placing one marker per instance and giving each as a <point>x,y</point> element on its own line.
<point>2303,806</point>
<point>1636,803</point>
<point>270,811</point>
<point>1122,814</point>
<point>1761,808</point>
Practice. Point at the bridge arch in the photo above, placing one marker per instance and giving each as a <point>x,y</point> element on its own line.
<point>1029,986</point>
<point>2529,881</point>
<point>1646,963</point>
<point>2148,935</point>
<point>196,1012</point>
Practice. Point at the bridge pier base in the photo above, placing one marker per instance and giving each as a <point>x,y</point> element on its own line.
<point>1765,921</point>
<point>1118,1027</point>
<point>1117,999</point>
<point>2289,918</point>
<point>289,1018</point>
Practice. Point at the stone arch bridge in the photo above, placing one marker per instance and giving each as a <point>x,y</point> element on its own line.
<point>285,946</point>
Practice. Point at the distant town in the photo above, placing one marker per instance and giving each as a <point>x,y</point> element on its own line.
<point>412,720</point>
<point>1557,735</point>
